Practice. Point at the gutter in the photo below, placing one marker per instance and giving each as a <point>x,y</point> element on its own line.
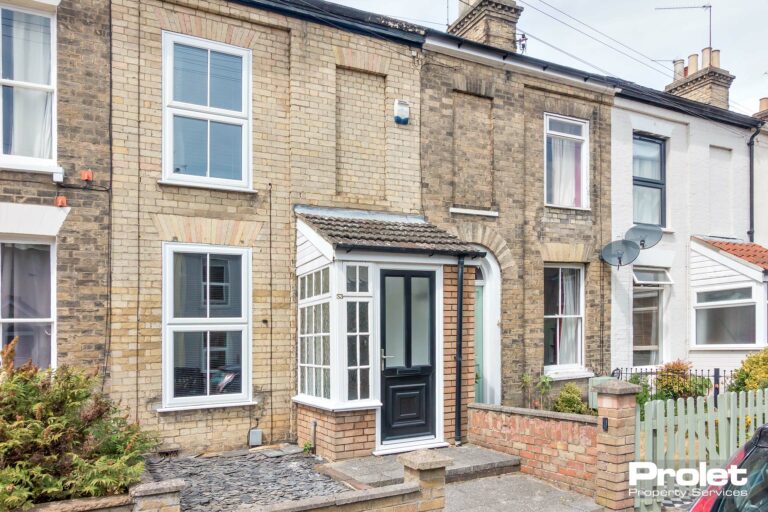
<point>751,146</point>
<point>342,17</point>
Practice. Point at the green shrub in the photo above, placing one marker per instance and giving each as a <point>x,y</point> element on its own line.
<point>753,373</point>
<point>645,391</point>
<point>60,439</point>
<point>569,400</point>
<point>674,380</point>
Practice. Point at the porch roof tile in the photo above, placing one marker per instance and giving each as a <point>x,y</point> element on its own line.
<point>365,232</point>
<point>747,251</point>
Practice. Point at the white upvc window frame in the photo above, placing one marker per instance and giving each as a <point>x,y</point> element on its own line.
<point>364,297</point>
<point>639,282</point>
<point>754,300</point>
<point>27,163</point>
<point>306,302</point>
<point>659,289</point>
<point>171,108</point>
<point>577,369</point>
<point>53,318</point>
<point>171,325</point>
<point>585,171</point>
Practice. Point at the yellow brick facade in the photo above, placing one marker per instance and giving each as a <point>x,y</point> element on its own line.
<point>298,142</point>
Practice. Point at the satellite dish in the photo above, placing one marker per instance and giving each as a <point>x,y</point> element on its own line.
<point>620,252</point>
<point>645,235</point>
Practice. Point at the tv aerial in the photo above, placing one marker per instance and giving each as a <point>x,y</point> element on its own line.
<point>623,252</point>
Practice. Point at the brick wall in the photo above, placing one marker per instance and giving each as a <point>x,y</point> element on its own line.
<point>450,308</point>
<point>560,448</point>
<point>339,435</point>
<point>473,151</point>
<point>294,161</point>
<point>360,129</point>
<point>83,142</point>
<point>526,234</point>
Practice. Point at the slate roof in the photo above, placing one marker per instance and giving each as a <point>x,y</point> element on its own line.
<point>370,234</point>
<point>747,251</point>
<point>393,29</point>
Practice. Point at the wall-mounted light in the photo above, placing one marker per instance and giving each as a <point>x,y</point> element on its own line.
<point>402,112</point>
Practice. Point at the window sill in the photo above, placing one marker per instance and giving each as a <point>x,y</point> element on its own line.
<point>473,211</point>
<point>574,208</point>
<point>178,408</point>
<point>715,348</point>
<point>567,373</point>
<point>334,406</point>
<point>205,186</point>
<point>35,165</point>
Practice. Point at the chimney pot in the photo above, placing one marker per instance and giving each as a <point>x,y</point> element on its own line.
<point>679,69</point>
<point>763,104</point>
<point>706,55</point>
<point>693,63</point>
<point>715,58</point>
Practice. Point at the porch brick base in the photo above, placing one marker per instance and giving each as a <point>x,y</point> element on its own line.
<point>340,435</point>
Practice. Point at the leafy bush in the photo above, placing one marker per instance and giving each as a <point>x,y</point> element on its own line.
<point>645,391</point>
<point>753,373</point>
<point>674,380</point>
<point>569,400</point>
<point>60,439</point>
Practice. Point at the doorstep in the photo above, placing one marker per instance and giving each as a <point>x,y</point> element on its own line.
<point>469,462</point>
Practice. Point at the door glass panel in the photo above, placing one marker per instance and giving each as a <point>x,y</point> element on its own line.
<point>479,398</point>
<point>394,323</point>
<point>420,318</point>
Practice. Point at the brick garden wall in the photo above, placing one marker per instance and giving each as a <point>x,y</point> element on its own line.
<point>560,448</point>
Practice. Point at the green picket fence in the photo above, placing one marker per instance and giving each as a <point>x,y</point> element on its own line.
<point>680,433</point>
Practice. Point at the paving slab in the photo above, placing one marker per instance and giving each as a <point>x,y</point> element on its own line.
<point>469,462</point>
<point>515,492</point>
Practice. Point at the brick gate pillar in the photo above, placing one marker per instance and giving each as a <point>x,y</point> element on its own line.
<point>615,443</point>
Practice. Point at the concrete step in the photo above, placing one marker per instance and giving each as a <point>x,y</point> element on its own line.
<point>469,462</point>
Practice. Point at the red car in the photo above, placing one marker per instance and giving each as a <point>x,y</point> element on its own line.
<point>751,497</point>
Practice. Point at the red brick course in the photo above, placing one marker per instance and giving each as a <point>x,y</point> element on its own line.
<point>560,448</point>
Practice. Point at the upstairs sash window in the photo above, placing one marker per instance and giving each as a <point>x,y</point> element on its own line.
<point>566,162</point>
<point>207,112</point>
<point>28,85</point>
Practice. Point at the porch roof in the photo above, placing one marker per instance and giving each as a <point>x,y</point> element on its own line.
<point>381,231</point>
<point>747,251</point>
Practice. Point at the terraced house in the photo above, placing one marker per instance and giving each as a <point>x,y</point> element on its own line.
<point>54,181</point>
<point>267,230</point>
<point>303,250</point>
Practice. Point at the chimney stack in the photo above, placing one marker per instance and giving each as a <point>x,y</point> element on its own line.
<point>491,22</point>
<point>762,113</point>
<point>709,84</point>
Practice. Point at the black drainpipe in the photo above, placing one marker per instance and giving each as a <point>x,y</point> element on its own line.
<point>459,343</point>
<point>751,145</point>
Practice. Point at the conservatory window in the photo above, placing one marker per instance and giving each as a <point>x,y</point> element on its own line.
<point>315,334</point>
<point>725,317</point>
<point>358,332</point>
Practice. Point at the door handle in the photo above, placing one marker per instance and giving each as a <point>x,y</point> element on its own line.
<point>384,358</point>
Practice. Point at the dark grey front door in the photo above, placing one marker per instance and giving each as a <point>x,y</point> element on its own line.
<point>408,354</point>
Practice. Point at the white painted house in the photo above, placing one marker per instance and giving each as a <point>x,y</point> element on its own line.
<point>684,166</point>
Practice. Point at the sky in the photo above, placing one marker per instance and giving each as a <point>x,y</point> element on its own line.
<point>738,30</point>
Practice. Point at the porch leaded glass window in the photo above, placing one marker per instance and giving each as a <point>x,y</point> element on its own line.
<point>315,334</point>
<point>358,329</point>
